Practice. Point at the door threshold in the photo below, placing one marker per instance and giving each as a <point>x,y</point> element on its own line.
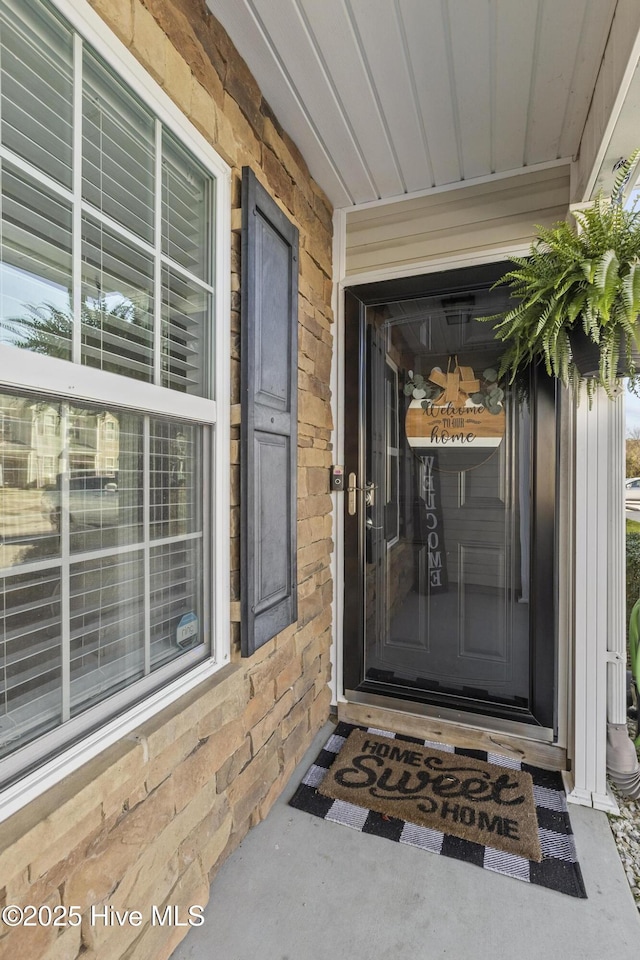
<point>531,744</point>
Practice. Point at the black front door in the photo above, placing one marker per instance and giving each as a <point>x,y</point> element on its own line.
<point>449,536</point>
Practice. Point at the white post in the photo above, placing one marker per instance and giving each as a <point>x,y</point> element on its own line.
<point>616,592</point>
<point>598,598</point>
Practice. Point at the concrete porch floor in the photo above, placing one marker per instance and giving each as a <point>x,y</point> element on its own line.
<point>300,888</point>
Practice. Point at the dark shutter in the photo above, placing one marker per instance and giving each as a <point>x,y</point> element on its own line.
<point>269,435</point>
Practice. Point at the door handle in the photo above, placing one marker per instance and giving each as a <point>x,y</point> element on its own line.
<point>352,489</point>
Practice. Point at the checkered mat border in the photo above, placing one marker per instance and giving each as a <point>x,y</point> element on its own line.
<point>559,869</point>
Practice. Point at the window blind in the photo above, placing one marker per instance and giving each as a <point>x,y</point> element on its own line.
<point>118,150</point>
<point>123,518</point>
<point>36,87</point>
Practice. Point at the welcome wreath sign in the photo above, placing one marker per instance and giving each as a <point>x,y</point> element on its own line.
<point>454,409</point>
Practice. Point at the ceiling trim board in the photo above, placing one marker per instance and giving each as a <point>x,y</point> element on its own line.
<point>460,184</point>
<point>495,255</point>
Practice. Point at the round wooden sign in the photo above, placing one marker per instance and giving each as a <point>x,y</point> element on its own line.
<point>453,424</point>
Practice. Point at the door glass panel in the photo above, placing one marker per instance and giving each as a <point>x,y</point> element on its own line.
<point>447,537</point>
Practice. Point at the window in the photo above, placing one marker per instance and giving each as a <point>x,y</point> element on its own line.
<point>112,346</point>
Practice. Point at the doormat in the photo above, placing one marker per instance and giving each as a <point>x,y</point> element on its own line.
<point>557,869</point>
<point>463,796</point>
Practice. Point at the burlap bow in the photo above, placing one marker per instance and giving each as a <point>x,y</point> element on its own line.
<point>455,383</point>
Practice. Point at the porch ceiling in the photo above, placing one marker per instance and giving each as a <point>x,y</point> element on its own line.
<point>387,97</point>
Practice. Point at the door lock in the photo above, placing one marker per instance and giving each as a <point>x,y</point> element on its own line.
<point>352,490</point>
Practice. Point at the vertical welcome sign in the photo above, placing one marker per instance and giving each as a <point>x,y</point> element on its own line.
<point>431,528</point>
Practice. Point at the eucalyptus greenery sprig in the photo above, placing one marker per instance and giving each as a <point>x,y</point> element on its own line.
<point>490,395</point>
<point>587,277</point>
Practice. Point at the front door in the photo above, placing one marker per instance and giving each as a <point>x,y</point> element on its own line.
<point>449,532</point>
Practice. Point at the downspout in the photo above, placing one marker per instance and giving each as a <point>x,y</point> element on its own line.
<point>623,768</point>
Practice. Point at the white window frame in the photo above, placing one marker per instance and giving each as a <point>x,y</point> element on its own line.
<point>26,371</point>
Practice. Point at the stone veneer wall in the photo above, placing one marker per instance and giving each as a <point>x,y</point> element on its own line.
<point>150,820</point>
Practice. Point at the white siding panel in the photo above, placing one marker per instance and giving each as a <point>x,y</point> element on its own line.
<point>470,25</point>
<point>560,31</point>
<point>499,213</point>
<point>610,87</point>
<point>427,48</point>
<point>596,25</point>
<point>379,28</point>
<point>333,33</point>
<point>291,39</point>
<point>514,52</point>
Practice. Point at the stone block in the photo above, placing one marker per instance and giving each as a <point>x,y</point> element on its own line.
<point>314,506</point>
<point>94,879</point>
<point>323,209</point>
<point>206,828</point>
<point>296,171</point>
<point>264,729</point>
<point>210,848</point>
<point>281,184</point>
<point>118,14</point>
<point>315,412</point>
<point>66,946</point>
<point>286,679</point>
<point>241,86</point>
<point>295,744</point>
<point>266,671</point>
<point>177,79</point>
<point>320,709</point>
<point>201,766</point>
<point>317,481</point>
<point>186,713</point>
<point>249,789</point>
<point>227,146</point>
<point>313,385</point>
<point>312,274</point>
<point>313,552</point>
<point>203,111</point>
<point>61,848</point>
<point>258,706</point>
<point>324,357</point>
<point>243,133</point>
<point>159,942</point>
<point>27,942</point>
<point>26,834</point>
<point>233,766</point>
<point>15,888</point>
<point>149,42</point>
<point>299,713</point>
<point>310,607</point>
<point>307,343</point>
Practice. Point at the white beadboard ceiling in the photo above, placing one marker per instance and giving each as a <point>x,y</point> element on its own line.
<point>387,97</point>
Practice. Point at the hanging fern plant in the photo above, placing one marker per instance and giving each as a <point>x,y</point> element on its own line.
<point>578,282</point>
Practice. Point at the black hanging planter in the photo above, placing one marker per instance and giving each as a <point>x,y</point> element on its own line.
<point>585,353</point>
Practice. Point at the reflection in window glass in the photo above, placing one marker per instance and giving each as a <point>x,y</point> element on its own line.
<point>176,481</point>
<point>30,655</point>
<point>107,626</point>
<point>185,314</point>
<point>176,600</point>
<point>105,479</point>
<point>29,465</point>
<point>90,518</point>
<point>36,87</point>
<point>117,297</point>
<point>35,265</point>
<point>186,191</point>
<point>118,147</point>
